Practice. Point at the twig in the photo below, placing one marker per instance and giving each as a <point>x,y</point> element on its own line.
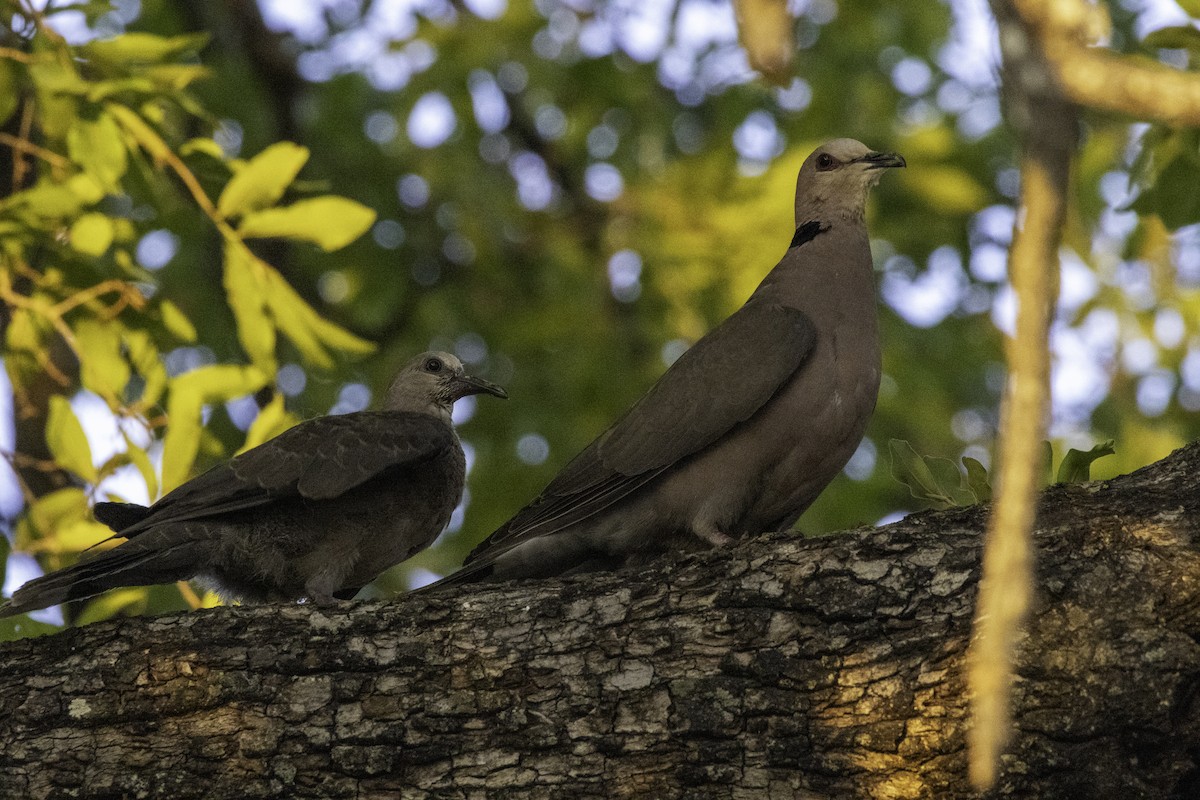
<point>1046,124</point>
<point>13,54</point>
<point>19,165</point>
<point>55,160</point>
<point>129,296</point>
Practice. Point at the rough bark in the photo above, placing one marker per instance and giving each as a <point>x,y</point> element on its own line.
<point>781,668</point>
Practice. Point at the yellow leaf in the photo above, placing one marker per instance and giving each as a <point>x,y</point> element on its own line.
<point>103,368</point>
<point>112,603</point>
<point>307,329</point>
<point>263,179</point>
<point>141,460</point>
<point>24,333</point>
<point>143,134</point>
<point>77,536</point>
<point>271,421</point>
<point>98,146</point>
<point>246,288</point>
<point>67,442</point>
<point>189,393</point>
<point>176,322</point>
<point>144,356</point>
<point>141,48</point>
<point>92,234</point>
<point>49,513</point>
<point>329,222</point>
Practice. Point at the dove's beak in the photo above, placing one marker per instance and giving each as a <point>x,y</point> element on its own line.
<point>875,160</point>
<point>469,384</point>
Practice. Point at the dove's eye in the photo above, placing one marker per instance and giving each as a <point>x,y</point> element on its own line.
<point>826,161</point>
<point>433,365</point>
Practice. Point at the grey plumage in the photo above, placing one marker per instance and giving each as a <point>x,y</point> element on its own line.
<point>316,512</point>
<point>742,433</point>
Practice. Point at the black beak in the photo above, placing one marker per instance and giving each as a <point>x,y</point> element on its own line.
<point>882,160</point>
<point>469,384</point>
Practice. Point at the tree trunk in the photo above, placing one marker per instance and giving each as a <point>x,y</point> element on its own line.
<point>782,668</point>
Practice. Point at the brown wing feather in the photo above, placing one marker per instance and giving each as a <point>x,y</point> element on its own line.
<point>717,384</point>
<point>318,459</point>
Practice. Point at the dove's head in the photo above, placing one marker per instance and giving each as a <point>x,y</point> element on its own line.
<point>834,180</point>
<point>431,382</point>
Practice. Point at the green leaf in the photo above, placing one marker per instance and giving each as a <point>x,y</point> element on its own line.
<point>977,480</point>
<point>103,90</point>
<point>189,393</point>
<point>22,627</point>
<point>1190,7</point>
<point>176,77</point>
<point>99,147</point>
<point>936,480</point>
<point>262,180</point>
<point>53,76</point>
<point>110,604</point>
<point>1178,37</point>
<point>246,289</point>
<point>949,480</point>
<point>330,222</point>
<point>103,368</point>
<point>46,203</point>
<point>1172,196</point>
<point>92,234</point>
<point>142,48</point>
<point>67,442</point>
<point>1076,465</point>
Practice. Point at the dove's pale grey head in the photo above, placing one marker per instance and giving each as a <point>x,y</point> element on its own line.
<point>834,180</point>
<point>431,382</point>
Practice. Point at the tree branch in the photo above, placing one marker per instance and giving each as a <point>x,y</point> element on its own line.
<point>785,667</point>
<point>1046,124</point>
<point>1099,79</point>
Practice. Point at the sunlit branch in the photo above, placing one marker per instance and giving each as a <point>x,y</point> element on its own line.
<point>1102,80</point>
<point>49,156</point>
<point>1046,124</point>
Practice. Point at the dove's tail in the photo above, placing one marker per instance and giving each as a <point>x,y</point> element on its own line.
<point>126,565</point>
<point>120,516</point>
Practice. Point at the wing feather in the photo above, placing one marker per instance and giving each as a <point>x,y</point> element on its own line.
<point>318,459</point>
<point>719,383</point>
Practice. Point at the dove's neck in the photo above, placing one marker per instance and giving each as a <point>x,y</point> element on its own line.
<point>418,405</point>
<point>828,267</point>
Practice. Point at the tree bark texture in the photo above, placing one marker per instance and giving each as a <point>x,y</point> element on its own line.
<point>782,668</point>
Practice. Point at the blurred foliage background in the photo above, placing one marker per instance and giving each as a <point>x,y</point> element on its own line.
<point>565,193</point>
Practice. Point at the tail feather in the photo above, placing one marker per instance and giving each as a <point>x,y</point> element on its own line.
<point>121,566</point>
<point>120,516</point>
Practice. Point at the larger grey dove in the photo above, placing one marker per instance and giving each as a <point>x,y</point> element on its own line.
<point>318,511</point>
<point>747,427</point>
